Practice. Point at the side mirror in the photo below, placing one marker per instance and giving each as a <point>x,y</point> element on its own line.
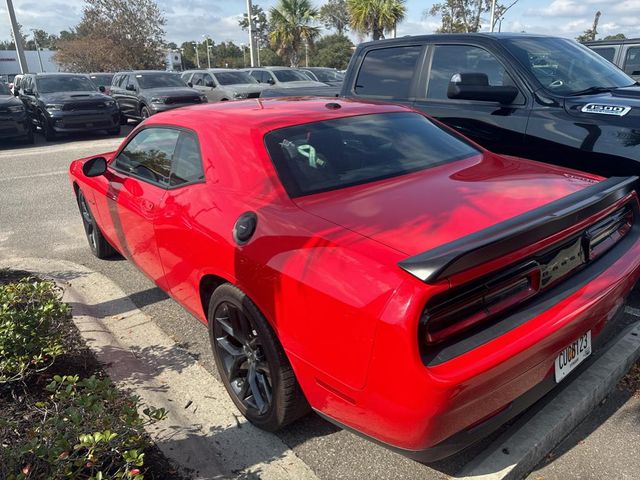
<point>94,167</point>
<point>190,84</point>
<point>210,84</point>
<point>27,91</point>
<point>102,89</point>
<point>131,87</point>
<point>475,86</point>
<point>271,81</point>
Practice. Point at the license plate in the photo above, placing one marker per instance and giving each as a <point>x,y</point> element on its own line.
<point>573,355</point>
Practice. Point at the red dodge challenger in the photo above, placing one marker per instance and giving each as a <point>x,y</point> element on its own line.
<point>365,261</point>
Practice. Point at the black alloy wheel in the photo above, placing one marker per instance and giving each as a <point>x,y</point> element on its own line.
<point>99,245</point>
<point>144,113</point>
<point>251,361</point>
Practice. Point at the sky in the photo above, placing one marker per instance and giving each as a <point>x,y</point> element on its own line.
<point>192,19</point>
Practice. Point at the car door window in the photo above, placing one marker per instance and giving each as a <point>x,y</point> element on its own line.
<point>388,72</point>
<point>196,80</point>
<point>632,61</point>
<point>208,80</point>
<point>148,155</point>
<point>186,166</point>
<point>451,59</point>
<point>608,52</point>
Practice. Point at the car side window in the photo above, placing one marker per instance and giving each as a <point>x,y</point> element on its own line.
<point>148,155</point>
<point>388,72</point>
<point>606,52</point>
<point>208,80</point>
<point>196,80</point>
<point>632,61</point>
<point>186,166</point>
<point>451,59</point>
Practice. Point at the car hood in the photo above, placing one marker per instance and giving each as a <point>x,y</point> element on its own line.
<point>244,87</point>
<point>417,212</point>
<point>300,83</point>
<point>171,92</point>
<point>61,97</point>
<point>9,100</point>
<point>625,103</point>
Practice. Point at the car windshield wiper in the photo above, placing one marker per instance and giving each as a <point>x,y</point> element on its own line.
<point>590,90</point>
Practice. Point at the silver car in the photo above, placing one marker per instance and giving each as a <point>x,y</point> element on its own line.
<point>222,84</point>
<point>283,77</point>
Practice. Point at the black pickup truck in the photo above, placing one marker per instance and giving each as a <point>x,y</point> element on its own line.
<point>533,96</point>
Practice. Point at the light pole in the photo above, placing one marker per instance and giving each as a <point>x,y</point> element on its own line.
<point>306,53</point>
<point>195,44</point>
<point>206,39</point>
<point>252,49</point>
<point>244,54</point>
<point>35,40</point>
<point>182,58</point>
<point>493,13</point>
<point>22,61</point>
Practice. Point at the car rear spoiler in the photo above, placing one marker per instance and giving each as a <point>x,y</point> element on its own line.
<point>517,232</point>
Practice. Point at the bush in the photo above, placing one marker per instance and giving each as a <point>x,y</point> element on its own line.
<point>87,429</point>
<point>31,315</point>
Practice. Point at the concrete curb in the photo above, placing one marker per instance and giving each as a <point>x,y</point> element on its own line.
<point>515,453</point>
<point>204,432</point>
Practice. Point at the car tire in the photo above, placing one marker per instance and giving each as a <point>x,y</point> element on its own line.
<point>99,245</point>
<point>144,112</point>
<point>47,130</point>
<point>252,364</point>
<point>114,131</point>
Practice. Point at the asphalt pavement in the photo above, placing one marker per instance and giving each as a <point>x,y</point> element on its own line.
<point>39,218</point>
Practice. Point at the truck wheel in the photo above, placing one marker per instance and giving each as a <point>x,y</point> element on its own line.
<point>145,113</point>
<point>114,131</point>
<point>251,361</point>
<point>47,130</point>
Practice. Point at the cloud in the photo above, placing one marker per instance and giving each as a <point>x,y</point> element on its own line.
<point>560,8</point>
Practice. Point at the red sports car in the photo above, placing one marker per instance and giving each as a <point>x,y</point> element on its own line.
<point>366,261</point>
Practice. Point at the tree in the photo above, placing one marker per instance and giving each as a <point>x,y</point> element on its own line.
<point>332,51</point>
<point>291,28</point>
<point>335,16</point>
<point>375,16</point>
<point>465,15</point>
<point>260,24</point>
<point>617,36</point>
<point>589,35</point>
<point>115,35</point>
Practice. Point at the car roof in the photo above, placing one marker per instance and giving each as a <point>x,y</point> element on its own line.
<point>612,42</point>
<point>496,36</point>
<point>269,114</point>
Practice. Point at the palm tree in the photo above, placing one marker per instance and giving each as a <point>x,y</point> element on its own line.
<point>375,16</point>
<point>291,27</point>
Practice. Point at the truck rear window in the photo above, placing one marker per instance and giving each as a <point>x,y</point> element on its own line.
<point>333,154</point>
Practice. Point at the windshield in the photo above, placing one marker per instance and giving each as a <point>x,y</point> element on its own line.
<point>159,80</point>
<point>328,75</point>
<point>4,89</point>
<point>234,78</point>
<point>565,67</point>
<point>103,80</point>
<point>333,154</point>
<point>290,76</point>
<point>64,83</point>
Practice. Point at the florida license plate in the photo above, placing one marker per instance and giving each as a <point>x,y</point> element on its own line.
<point>573,355</point>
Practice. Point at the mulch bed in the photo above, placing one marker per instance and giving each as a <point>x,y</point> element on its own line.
<point>15,402</point>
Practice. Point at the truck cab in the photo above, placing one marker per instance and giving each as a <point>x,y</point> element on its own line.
<point>533,96</point>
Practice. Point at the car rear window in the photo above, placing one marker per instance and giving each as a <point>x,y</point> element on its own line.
<point>159,80</point>
<point>234,78</point>
<point>290,76</point>
<point>333,154</point>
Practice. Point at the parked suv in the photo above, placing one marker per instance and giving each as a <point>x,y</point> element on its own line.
<point>623,53</point>
<point>14,122</point>
<point>283,77</point>
<point>103,80</point>
<point>222,84</point>
<point>143,93</point>
<point>330,76</point>
<point>67,102</point>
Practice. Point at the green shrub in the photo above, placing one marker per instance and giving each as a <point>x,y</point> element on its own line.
<point>31,315</point>
<point>87,429</point>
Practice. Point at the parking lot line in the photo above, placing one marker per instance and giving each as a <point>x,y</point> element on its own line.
<point>35,175</point>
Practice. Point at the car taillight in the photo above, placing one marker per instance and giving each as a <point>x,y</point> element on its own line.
<point>475,305</point>
<point>451,313</point>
